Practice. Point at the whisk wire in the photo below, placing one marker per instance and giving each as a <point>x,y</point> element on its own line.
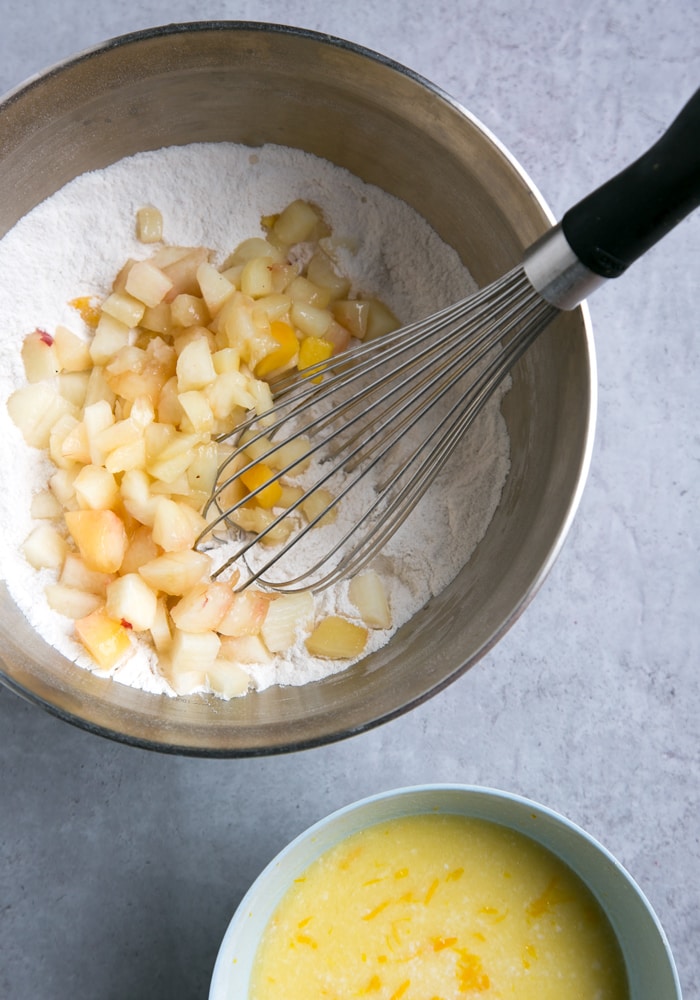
<point>393,383</point>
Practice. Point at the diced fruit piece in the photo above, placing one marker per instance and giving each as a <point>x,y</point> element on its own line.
<point>45,547</point>
<point>257,476</point>
<point>262,395</point>
<point>45,505</point>
<point>98,389</point>
<point>61,485</point>
<point>293,456</point>
<point>77,575</point>
<point>149,224</point>
<point>253,247</point>
<point>246,614</point>
<point>89,309</point>
<point>71,602</point>
<point>124,307</point>
<point>160,628</point>
<point>312,351</point>
<point>105,639</point>
<point>336,638</point>
<point>245,649</point>
<point>73,386</point>
<point>353,314</point>
<point>131,600</point>
<point>192,651</point>
<point>226,360</point>
<point>175,573</point>
<point>290,495</point>
<point>303,290</point>
<point>227,678</point>
<point>176,525</point>
<point>157,319</point>
<point>140,550</point>
<point>168,453</point>
<point>189,310</point>
<point>317,504</point>
<point>100,536</point>
<point>110,336</point>
<point>203,607</point>
<point>380,321</point>
<point>95,487</point>
<point>201,472</point>
<point>137,497</point>
<point>312,321</point>
<point>215,288</point>
<point>338,337</point>
<point>182,272</point>
<point>65,428</point>
<point>228,392</point>
<point>195,368</point>
<point>148,283</point>
<point>368,593</point>
<point>75,446</point>
<point>285,617</point>
<point>182,680</point>
<point>256,278</point>
<point>321,271</point>
<point>35,409</point>
<point>128,456</point>
<point>197,410</point>
<point>296,223</point>
<point>286,351</point>
<point>97,417</point>
<point>167,255</point>
<point>257,520</point>
<point>39,356</point>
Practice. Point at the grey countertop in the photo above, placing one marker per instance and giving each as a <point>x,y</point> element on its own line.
<point>119,868</point>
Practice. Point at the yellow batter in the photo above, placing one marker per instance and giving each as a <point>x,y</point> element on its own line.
<point>435,907</point>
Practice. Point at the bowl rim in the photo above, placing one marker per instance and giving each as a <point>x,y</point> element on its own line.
<point>424,796</point>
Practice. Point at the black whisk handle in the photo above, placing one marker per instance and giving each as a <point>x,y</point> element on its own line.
<point>620,221</point>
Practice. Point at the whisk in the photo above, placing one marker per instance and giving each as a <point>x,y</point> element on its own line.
<point>388,414</point>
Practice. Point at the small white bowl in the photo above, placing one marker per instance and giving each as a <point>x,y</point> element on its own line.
<point>651,971</point>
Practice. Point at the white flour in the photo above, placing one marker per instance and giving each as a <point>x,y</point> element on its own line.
<point>214,195</point>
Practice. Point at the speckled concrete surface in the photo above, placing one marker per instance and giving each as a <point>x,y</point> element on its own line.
<point>119,868</point>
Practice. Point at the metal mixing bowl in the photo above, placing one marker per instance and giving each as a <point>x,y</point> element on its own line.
<point>258,83</point>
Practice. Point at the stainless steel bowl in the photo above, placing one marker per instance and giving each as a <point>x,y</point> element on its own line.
<point>257,83</point>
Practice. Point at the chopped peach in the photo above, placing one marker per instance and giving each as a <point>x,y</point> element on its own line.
<point>258,476</point>
<point>131,600</point>
<point>368,593</point>
<point>283,354</point>
<point>100,536</point>
<point>227,679</point>
<point>148,283</point>
<point>337,638</point>
<point>202,609</point>
<point>286,616</point>
<point>245,615</point>
<point>45,547</point>
<point>105,639</point>
<point>39,356</point>
<point>175,573</point>
<point>312,351</point>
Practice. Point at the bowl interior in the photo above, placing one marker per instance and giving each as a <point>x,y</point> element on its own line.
<point>241,82</point>
<point>650,967</point>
